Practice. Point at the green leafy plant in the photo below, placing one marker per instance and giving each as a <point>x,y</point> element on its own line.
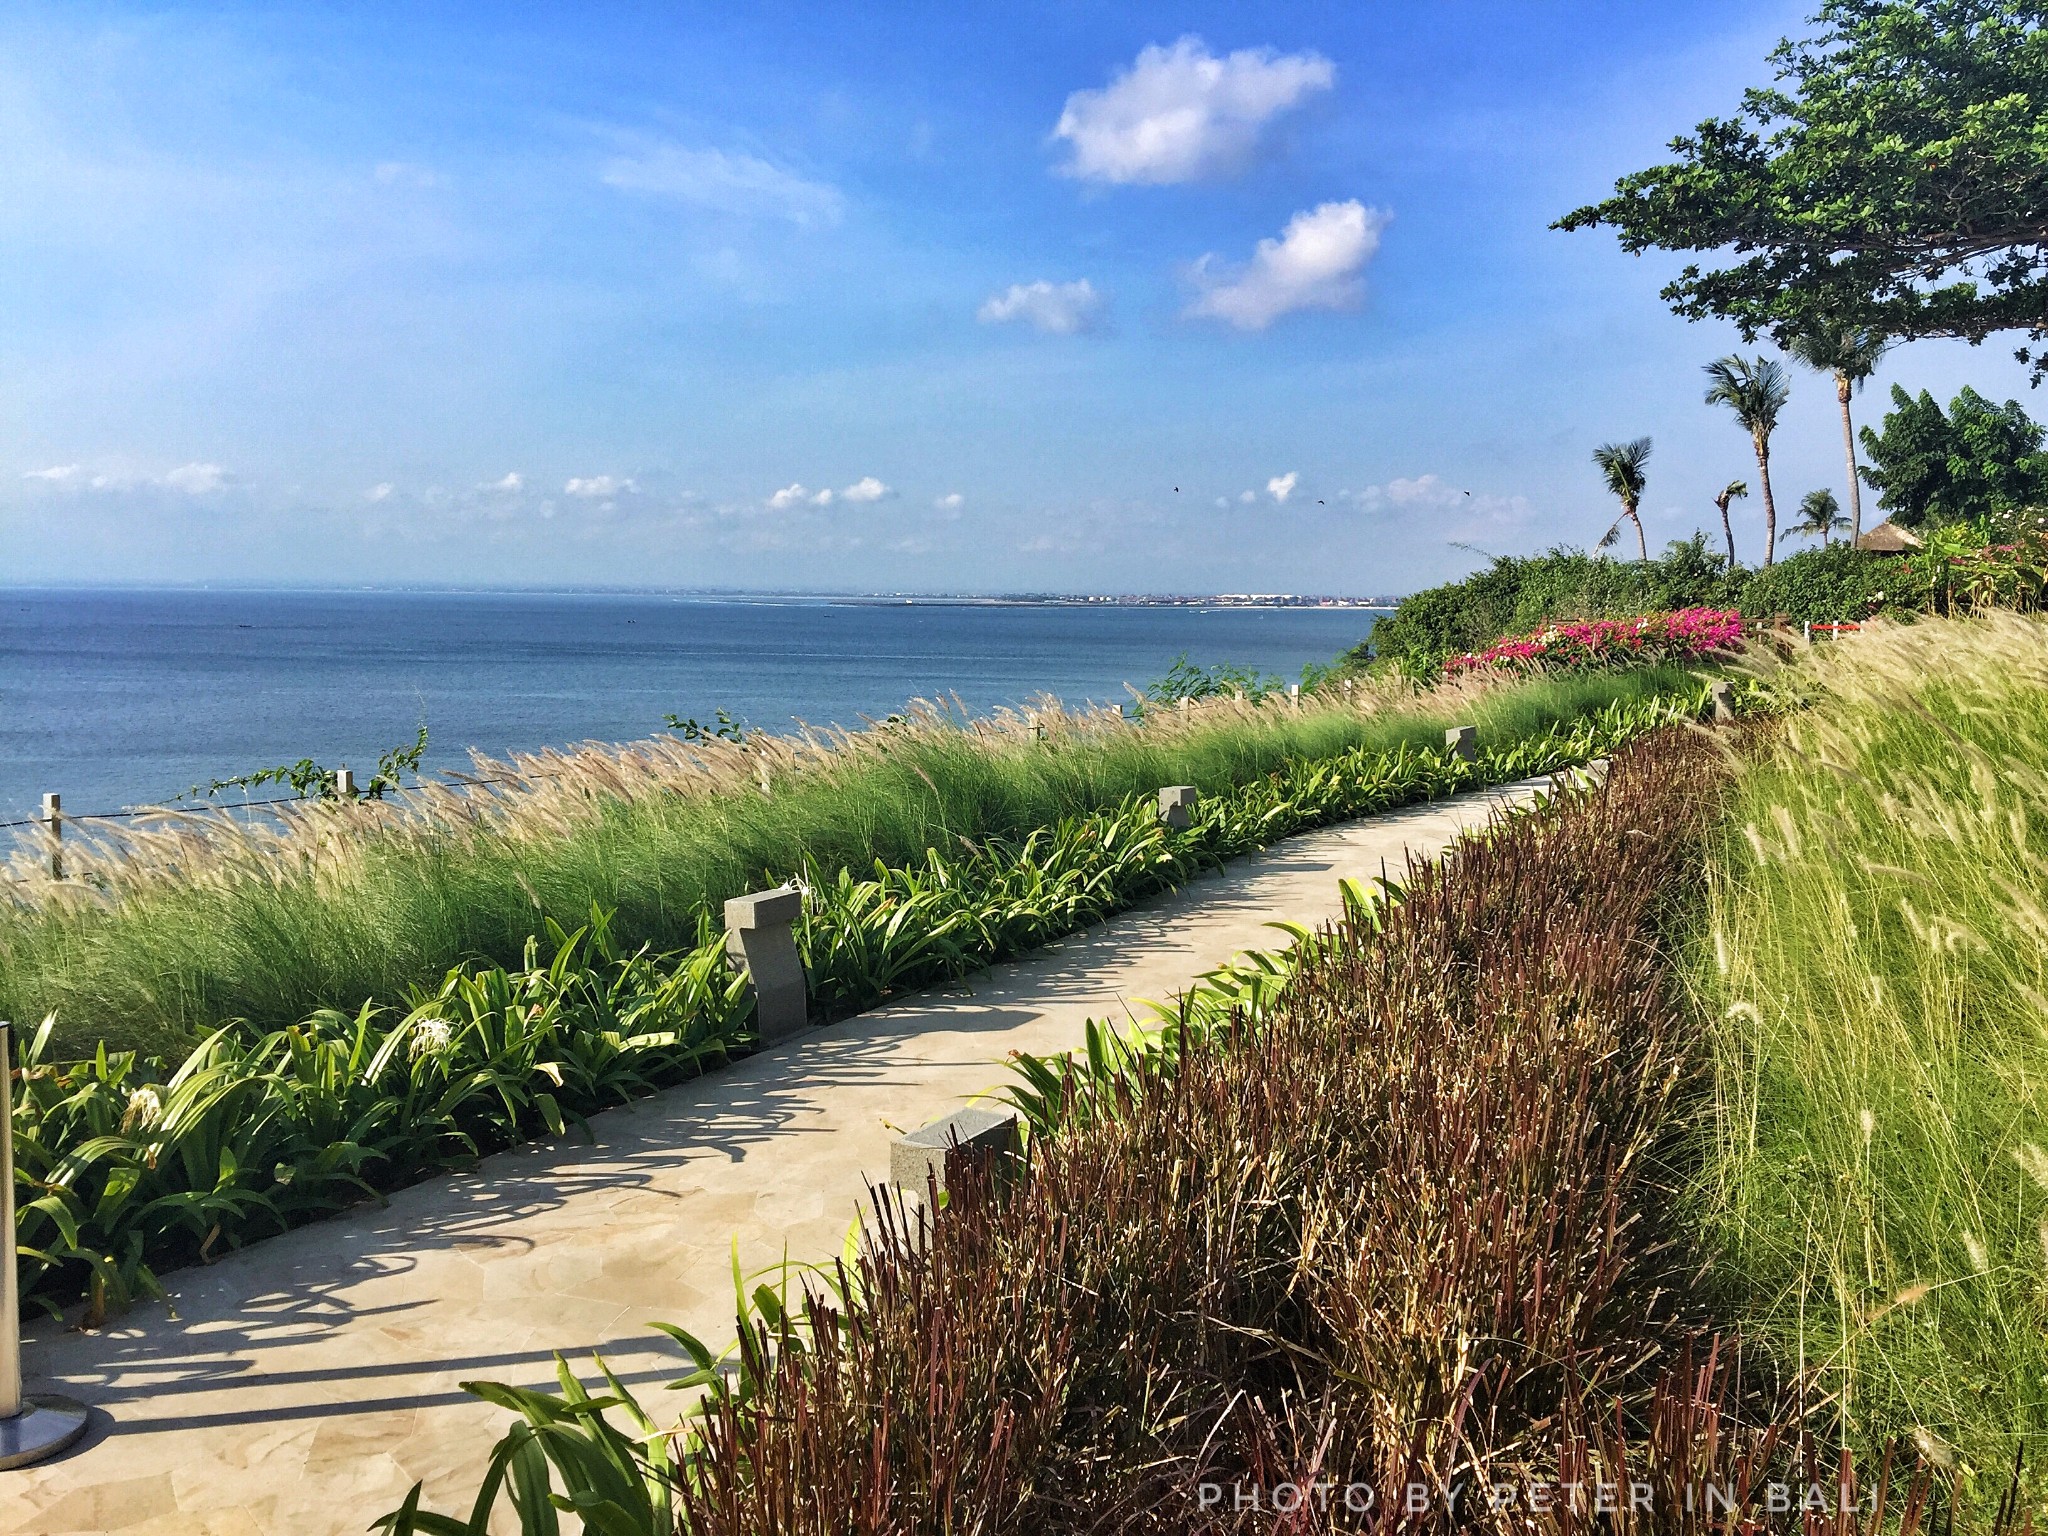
<point>128,1164</point>
<point>309,780</point>
<point>1389,1209</point>
<point>722,728</point>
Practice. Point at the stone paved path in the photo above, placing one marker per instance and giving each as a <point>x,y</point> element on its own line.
<point>306,1383</point>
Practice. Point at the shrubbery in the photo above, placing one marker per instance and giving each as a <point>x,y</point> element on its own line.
<point>1691,634</point>
<point>127,1164</point>
<point>1517,593</point>
<point>1963,568</point>
<point>1370,1256</point>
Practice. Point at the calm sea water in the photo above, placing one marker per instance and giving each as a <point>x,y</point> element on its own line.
<point>121,698</point>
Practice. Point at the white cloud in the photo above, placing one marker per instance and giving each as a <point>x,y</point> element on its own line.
<point>402,173</point>
<point>949,502</point>
<point>513,481</point>
<point>379,491</point>
<point>1248,497</point>
<point>1182,114</point>
<point>597,486</point>
<point>789,496</point>
<point>1313,265</point>
<point>1280,487</point>
<point>196,479</point>
<point>867,488</point>
<point>56,474</point>
<point>735,183</point>
<point>823,498</point>
<point>1431,496</point>
<point>1058,309</point>
<point>1423,490</point>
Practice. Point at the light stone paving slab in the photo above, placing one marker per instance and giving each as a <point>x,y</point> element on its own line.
<point>304,1384</point>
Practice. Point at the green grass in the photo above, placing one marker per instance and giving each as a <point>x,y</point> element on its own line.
<point>1874,970</point>
<point>368,902</point>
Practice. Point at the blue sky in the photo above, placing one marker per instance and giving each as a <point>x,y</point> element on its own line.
<point>614,294</point>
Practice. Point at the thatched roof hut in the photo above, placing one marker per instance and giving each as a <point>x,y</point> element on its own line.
<point>1888,539</point>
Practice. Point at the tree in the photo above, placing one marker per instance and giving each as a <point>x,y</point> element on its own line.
<point>1729,492</point>
<point>1820,516</point>
<point>1622,464</point>
<point>1755,389</point>
<point>1850,354</point>
<point>1894,180</point>
<point>1979,461</point>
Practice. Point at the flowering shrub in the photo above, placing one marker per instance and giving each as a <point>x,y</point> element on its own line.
<point>1958,572</point>
<point>1686,635</point>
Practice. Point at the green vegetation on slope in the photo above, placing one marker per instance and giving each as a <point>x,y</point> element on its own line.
<point>162,940</point>
<point>1874,970</point>
<point>1400,1242</point>
<point>130,1165</point>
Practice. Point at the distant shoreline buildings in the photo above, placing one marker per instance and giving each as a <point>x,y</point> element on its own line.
<point>1134,600</point>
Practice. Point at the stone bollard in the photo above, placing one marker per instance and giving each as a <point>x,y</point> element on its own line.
<point>988,1137</point>
<point>1721,698</point>
<point>1463,741</point>
<point>1177,806</point>
<point>760,936</point>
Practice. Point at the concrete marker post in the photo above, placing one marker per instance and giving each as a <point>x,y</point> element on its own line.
<point>919,1161</point>
<point>1721,694</point>
<point>344,783</point>
<point>1177,806</point>
<point>1462,741</point>
<point>760,936</point>
<point>32,1428</point>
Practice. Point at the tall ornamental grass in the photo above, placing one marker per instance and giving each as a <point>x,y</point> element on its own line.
<point>1874,972</point>
<point>127,1165</point>
<point>1393,1253</point>
<point>163,930</point>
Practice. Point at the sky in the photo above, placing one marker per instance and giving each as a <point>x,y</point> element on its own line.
<point>968,298</point>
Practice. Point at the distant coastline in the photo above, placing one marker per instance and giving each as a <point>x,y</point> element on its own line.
<point>1125,600</point>
<point>1261,600</point>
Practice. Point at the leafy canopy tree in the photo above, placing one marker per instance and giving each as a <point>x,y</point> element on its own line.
<point>1622,465</point>
<point>1755,389</point>
<point>1820,516</point>
<point>1894,180</point>
<point>1850,354</point>
<point>1729,492</point>
<point>1979,461</point>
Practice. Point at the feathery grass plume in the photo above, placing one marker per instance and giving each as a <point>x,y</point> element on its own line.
<point>139,1162</point>
<point>168,927</point>
<point>1872,968</point>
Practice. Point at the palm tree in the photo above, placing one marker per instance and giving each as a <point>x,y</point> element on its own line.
<point>1755,390</point>
<point>1820,514</point>
<point>1850,353</point>
<point>1729,492</point>
<point>1622,464</point>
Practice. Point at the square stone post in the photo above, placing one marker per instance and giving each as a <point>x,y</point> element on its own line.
<point>1177,806</point>
<point>1721,696</point>
<point>988,1137</point>
<point>760,936</point>
<point>1463,741</point>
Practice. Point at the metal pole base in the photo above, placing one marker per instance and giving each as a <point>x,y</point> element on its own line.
<point>45,1426</point>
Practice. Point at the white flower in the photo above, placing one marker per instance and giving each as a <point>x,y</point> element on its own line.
<point>431,1038</point>
<point>144,1108</point>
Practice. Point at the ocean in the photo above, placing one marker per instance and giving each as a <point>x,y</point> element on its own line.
<point>120,698</point>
